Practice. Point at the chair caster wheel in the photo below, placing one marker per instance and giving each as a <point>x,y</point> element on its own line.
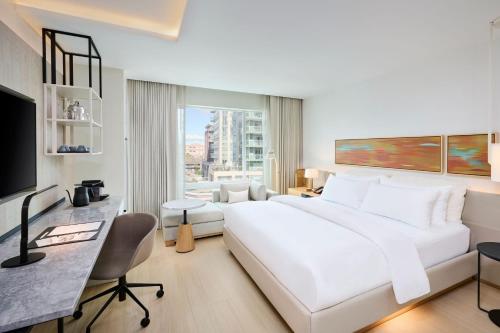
<point>77,314</point>
<point>160,293</point>
<point>145,322</point>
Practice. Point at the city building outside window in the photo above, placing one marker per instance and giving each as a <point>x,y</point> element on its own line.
<point>221,145</point>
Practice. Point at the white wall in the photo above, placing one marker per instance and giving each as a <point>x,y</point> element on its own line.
<point>448,94</point>
<point>10,17</point>
<point>110,166</point>
<point>21,70</point>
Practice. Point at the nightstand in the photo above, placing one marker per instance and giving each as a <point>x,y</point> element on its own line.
<point>492,251</point>
<point>301,192</point>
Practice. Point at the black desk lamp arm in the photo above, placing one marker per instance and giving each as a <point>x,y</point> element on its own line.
<point>24,222</point>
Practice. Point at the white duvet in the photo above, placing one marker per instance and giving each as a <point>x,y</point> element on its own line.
<point>326,253</point>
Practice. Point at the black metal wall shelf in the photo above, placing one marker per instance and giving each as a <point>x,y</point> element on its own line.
<point>68,57</point>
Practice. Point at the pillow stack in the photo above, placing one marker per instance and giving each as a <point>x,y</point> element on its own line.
<point>417,204</point>
<point>449,204</point>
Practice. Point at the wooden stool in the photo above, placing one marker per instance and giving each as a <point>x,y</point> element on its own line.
<point>185,239</point>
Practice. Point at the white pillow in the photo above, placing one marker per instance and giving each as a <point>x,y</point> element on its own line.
<point>439,212</point>
<point>410,205</point>
<point>235,187</point>
<point>258,191</point>
<point>456,204</point>
<point>441,206</point>
<point>347,192</point>
<point>457,192</point>
<point>239,196</point>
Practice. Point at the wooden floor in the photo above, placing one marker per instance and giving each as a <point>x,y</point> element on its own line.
<point>208,291</point>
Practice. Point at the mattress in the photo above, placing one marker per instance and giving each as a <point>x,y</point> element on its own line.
<point>322,263</point>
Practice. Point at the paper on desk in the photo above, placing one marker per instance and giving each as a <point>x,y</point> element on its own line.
<point>80,236</point>
<point>67,229</point>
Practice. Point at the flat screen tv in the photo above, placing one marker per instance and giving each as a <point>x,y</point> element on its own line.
<point>17,142</point>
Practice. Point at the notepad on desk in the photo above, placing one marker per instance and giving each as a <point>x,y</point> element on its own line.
<point>65,234</point>
<point>75,228</point>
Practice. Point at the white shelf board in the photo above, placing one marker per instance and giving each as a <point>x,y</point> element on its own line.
<point>76,123</point>
<point>54,127</point>
<point>75,92</point>
<point>74,154</point>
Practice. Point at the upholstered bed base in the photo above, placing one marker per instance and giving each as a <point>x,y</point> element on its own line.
<point>355,313</point>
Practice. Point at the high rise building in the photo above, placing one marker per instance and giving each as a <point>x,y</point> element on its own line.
<point>237,145</point>
<point>208,154</point>
<point>254,141</point>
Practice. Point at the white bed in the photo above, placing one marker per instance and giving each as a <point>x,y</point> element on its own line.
<point>322,263</point>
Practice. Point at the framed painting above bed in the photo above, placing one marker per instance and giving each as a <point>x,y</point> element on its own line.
<point>468,154</point>
<point>423,153</point>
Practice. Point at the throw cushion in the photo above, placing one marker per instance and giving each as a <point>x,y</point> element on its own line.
<point>258,192</point>
<point>235,197</point>
<point>235,187</point>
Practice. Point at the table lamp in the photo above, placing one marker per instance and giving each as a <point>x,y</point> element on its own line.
<point>309,175</point>
<point>25,258</point>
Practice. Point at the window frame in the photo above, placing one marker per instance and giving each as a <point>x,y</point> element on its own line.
<point>212,185</point>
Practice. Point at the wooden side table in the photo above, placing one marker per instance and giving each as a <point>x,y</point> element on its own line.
<point>301,192</point>
<point>492,251</point>
<point>185,239</point>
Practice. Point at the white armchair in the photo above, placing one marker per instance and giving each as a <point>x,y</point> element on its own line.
<point>209,219</point>
<point>256,192</point>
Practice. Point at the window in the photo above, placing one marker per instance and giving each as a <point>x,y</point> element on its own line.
<point>221,145</point>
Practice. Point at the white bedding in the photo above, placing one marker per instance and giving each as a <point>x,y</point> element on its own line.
<point>322,263</point>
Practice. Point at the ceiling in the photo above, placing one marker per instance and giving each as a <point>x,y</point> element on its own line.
<point>162,18</point>
<point>280,47</point>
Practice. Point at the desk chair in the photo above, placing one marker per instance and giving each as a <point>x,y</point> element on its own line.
<point>129,243</point>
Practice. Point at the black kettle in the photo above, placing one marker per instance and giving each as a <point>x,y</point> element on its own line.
<point>80,198</point>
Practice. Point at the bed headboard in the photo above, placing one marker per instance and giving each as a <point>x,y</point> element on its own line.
<point>482,215</point>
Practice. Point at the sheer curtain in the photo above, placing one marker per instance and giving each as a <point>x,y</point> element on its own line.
<point>284,129</point>
<point>156,153</point>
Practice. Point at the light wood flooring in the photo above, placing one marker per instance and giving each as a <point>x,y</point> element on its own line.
<point>208,291</point>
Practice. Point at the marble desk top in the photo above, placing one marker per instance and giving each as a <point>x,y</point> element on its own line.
<point>51,288</point>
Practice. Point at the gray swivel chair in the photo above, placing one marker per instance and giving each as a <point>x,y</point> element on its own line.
<point>129,243</point>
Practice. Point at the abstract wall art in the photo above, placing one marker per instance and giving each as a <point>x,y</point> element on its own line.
<point>422,153</point>
<point>468,155</point>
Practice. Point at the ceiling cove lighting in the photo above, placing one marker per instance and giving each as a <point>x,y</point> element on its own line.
<point>169,30</point>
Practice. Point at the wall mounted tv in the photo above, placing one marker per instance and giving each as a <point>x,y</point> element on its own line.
<point>17,142</point>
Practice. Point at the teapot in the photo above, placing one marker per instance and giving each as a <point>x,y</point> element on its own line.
<point>76,111</point>
<point>80,197</point>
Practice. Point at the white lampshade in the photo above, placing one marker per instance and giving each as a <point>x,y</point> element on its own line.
<point>495,162</point>
<point>311,173</point>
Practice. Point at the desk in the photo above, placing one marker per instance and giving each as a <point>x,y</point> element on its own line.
<point>51,288</point>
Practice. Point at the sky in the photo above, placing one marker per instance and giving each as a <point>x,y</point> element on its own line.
<point>196,120</point>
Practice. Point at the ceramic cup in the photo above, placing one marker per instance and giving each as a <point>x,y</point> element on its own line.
<point>81,149</point>
<point>63,149</point>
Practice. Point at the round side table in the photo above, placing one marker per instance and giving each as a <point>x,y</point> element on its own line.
<point>185,239</point>
<point>492,251</point>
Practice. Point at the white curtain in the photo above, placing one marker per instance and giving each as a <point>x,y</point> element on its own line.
<point>156,154</point>
<point>284,129</point>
